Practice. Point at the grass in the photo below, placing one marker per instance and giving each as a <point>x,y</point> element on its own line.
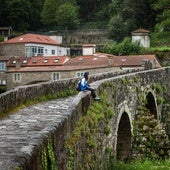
<point>142,165</point>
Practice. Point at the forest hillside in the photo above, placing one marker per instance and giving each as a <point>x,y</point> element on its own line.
<point>118,17</point>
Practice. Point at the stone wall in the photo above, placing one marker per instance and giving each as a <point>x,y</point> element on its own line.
<point>24,94</point>
<point>94,151</point>
<point>44,76</point>
<point>12,50</point>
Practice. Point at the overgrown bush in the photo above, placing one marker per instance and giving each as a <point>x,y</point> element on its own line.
<point>126,47</point>
<point>2,89</point>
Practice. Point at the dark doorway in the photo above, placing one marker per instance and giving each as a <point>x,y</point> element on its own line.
<point>124,146</point>
<point>150,105</point>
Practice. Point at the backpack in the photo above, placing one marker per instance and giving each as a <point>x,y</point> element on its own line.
<point>78,86</point>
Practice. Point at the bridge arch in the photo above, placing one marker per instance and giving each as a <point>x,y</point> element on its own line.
<point>151,104</point>
<point>124,136</point>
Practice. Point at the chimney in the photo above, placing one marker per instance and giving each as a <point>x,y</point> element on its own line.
<point>18,62</point>
<point>58,39</point>
<point>110,61</point>
<point>5,38</point>
<point>88,49</point>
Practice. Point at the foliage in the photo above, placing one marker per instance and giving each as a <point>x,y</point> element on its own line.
<point>150,139</point>
<point>48,12</point>
<point>120,17</point>
<point>1,38</point>
<point>2,89</point>
<point>126,47</point>
<point>142,165</point>
<point>94,122</point>
<point>67,16</point>
<point>162,27</point>
<point>117,28</point>
<point>48,161</point>
<point>21,15</point>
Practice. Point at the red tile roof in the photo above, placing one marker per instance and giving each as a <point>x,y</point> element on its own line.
<point>141,31</point>
<point>31,38</point>
<point>98,60</point>
<point>133,60</point>
<point>38,61</point>
<point>5,58</point>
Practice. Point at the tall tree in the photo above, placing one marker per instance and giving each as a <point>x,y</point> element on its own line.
<point>17,14</point>
<point>162,27</point>
<point>67,16</point>
<point>48,12</point>
<point>35,14</point>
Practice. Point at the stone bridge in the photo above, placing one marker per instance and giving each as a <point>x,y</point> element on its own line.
<point>70,130</point>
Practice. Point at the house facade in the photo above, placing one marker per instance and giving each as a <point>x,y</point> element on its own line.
<point>3,69</point>
<point>31,45</point>
<point>142,36</point>
<point>22,71</point>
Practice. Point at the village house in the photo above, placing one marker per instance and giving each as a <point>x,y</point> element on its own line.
<point>3,69</point>
<point>24,71</point>
<point>30,45</point>
<point>142,36</point>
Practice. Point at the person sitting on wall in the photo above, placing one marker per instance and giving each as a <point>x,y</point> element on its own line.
<point>84,85</point>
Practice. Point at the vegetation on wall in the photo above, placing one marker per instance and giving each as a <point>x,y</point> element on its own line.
<point>89,133</point>
<point>150,139</point>
<point>48,161</point>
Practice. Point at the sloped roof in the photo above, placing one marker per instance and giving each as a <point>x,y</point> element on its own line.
<point>141,31</point>
<point>98,60</point>
<point>31,38</point>
<point>133,60</point>
<point>5,58</point>
<point>38,61</point>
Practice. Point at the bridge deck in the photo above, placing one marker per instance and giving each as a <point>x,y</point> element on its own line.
<point>23,130</point>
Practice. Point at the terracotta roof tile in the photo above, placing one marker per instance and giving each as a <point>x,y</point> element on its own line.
<point>31,38</point>
<point>98,60</point>
<point>5,58</point>
<point>133,60</point>
<point>38,61</point>
<point>141,31</point>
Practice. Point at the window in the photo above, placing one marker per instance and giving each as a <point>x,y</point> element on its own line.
<point>34,51</point>
<point>17,77</point>
<point>2,66</point>
<point>80,74</point>
<point>46,51</point>
<point>40,50</point>
<point>56,60</point>
<point>68,52</point>
<point>53,52</point>
<point>55,76</point>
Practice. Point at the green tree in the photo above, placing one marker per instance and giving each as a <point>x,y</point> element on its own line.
<point>35,14</point>
<point>67,16</point>
<point>126,47</point>
<point>21,15</point>
<point>117,28</point>
<point>49,12</point>
<point>161,33</point>
<point>17,14</point>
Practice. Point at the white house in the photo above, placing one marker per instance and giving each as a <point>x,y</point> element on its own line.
<point>141,36</point>
<point>30,45</point>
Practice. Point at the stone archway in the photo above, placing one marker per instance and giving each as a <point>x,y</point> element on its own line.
<point>124,145</point>
<point>151,105</point>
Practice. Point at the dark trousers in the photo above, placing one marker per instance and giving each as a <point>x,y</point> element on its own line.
<point>93,93</point>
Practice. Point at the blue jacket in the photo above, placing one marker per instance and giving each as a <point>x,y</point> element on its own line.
<point>83,84</point>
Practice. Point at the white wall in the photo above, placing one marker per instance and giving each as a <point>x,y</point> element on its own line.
<point>143,39</point>
<point>59,51</point>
